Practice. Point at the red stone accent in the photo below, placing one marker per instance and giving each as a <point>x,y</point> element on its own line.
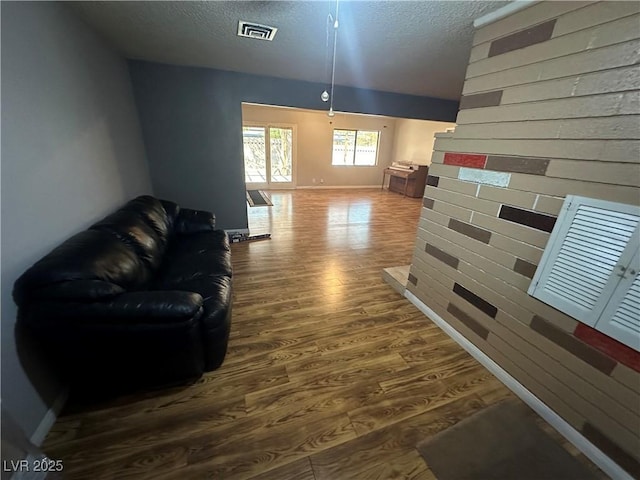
<point>607,345</point>
<point>465,160</point>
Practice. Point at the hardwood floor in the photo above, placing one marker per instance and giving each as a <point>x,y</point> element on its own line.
<point>330,373</point>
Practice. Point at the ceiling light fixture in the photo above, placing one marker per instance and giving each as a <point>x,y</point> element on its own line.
<point>326,96</point>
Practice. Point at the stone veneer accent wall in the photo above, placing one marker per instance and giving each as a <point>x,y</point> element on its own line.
<point>550,108</point>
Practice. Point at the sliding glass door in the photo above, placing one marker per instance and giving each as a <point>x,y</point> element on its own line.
<point>268,156</point>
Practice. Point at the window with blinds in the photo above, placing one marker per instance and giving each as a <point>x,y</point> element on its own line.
<point>589,269</point>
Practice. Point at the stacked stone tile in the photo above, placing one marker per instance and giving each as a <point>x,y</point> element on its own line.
<point>550,108</point>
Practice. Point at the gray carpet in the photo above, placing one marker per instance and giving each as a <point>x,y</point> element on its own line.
<point>501,442</point>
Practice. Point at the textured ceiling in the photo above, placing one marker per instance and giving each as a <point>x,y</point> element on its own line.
<point>413,47</point>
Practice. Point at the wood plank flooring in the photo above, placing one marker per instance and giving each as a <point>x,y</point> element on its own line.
<point>330,373</point>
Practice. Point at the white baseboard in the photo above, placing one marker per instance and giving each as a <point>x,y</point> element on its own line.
<point>37,438</point>
<point>606,464</point>
<point>333,187</point>
<point>49,419</point>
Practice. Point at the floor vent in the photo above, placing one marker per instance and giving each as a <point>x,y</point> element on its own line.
<point>255,30</point>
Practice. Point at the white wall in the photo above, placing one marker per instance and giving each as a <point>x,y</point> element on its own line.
<point>72,151</point>
<point>414,140</point>
<point>314,131</point>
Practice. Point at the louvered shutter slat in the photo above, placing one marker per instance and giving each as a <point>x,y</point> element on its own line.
<point>580,266</point>
<point>622,218</point>
<point>587,285</point>
<point>565,288</point>
<point>595,231</point>
<point>605,247</point>
<point>574,261</point>
<point>621,318</point>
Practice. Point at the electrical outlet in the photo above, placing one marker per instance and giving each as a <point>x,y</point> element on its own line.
<point>321,181</point>
<point>313,180</point>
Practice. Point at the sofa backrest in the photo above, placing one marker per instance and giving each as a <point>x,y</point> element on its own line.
<point>119,253</point>
<point>150,210</point>
<point>144,225</point>
<point>131,229</point>
<point>92,264</point>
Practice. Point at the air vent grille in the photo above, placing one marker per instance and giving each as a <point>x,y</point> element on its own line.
<point>255,30</point>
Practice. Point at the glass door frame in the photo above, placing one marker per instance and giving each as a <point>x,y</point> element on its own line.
<point>294,153</point>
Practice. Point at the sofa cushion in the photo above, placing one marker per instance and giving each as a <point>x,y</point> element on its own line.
<point>130,308</point>
<point>131,229</point>
<point>203,242</point>
<point>192,257</point>
<point>88,255</point>
<point>181,268</point>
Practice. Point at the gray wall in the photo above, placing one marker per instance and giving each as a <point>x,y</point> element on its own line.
<point>71,152</point>
<point>192,125</point>
<point>188,118</point>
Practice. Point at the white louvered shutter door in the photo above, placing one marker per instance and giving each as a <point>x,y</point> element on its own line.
<point>577,273</point>
<point>621,317</point>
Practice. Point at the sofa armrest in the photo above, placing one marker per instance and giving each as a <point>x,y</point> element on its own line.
<point>194,221</point>
<point>128,309</point>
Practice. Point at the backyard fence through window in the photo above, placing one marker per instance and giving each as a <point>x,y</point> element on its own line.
<point>355,147</point>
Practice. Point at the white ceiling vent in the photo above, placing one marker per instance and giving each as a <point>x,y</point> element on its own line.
<point>255,30</point>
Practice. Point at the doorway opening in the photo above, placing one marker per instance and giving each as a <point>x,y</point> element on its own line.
<point>268,156</point>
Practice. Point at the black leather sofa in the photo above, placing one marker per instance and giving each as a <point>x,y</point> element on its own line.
<point>140,299</point>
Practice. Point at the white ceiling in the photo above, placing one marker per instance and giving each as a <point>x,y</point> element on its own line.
<point>412,47</point>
